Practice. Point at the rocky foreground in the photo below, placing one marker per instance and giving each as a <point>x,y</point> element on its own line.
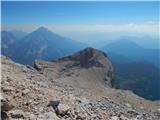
<point>76,87</point>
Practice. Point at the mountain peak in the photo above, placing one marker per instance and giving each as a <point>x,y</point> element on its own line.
<point>92,50</point>
<point>88,57</point>
<point>42,32</point>
<point>42,29</point>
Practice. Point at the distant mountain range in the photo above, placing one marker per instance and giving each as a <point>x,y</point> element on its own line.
<point>132,52</point>
<point>135,68</point>
<point>7,40</point>
<point>146,42</point>
<point>40,44</point>
<point>98,40</point>
<point>18,34</point>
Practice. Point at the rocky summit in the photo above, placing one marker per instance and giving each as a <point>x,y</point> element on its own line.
<point>84,69</point>
<point>89,57</point>
<point>75,87</point>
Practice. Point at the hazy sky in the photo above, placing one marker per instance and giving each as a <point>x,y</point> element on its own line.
<point>83,18</point>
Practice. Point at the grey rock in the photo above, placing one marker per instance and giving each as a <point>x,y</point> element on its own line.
<point>17,113</point>
<point>62,109</point>
<point>5,105</point>
<point>53,104</point>
<point>4,116</point>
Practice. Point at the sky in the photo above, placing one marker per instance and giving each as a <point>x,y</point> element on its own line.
<point>75,19</point>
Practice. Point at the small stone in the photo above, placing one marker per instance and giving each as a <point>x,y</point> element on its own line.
<point>62,109</point>
<point>7,89</point>
<point>132,112</point>
<point>141,107</point>
<point>122,117</point>
<point>51,116</point>
<point>26,91</point>
<point>53,104</point>
<point>114,118</point>
<point>32,117</point>
<point>128,105</point>
<point>158,110</point>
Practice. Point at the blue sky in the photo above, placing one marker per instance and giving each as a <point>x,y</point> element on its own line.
<point>83,20</point>
<point>79,12</point>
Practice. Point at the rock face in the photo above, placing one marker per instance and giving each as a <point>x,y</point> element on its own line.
<point>68,89</point>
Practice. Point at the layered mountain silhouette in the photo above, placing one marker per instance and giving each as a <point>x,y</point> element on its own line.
<point>18,34</point>
<point>42,44</point>
<point>135,68</point>
<point>144,41</point>
<point>7,41</point>
<point>133,52</point>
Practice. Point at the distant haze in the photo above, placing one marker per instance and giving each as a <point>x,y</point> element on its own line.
<point>134,29</point>
<point>88,22</point>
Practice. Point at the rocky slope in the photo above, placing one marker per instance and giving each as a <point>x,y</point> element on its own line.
<point>87,69</point>
<point>76,87</point>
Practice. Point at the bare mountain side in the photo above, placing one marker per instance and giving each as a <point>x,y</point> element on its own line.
<point>85,69</point>
<point>90,70</point>
<point>57,92</point>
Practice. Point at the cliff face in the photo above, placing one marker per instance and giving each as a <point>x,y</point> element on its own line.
<point>69,88</point>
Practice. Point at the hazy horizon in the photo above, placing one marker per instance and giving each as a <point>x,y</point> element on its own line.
<point>83,21</point>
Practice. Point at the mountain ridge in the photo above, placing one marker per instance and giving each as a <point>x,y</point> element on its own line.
<point>40,44</point>
<point>133,51</point>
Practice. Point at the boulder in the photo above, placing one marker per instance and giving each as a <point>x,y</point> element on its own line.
<point>62,109</point>
<point>51,116</point>
<point>128,105</point>
<point>5,105</point>
<point>26,91</point>
<point>53,104</point>
<point>122,117</point>
<point>4,116</point>
<point>17,113</point>
<point>32,117</point>
<point>114,118</point>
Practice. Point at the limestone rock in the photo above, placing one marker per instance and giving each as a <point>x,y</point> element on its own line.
<point>62,109</point>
